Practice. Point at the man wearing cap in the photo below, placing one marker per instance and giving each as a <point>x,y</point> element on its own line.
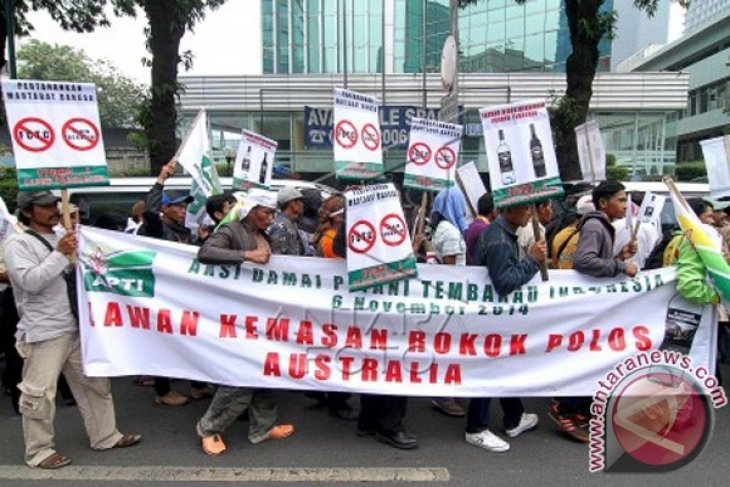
<point>48,336</point>
<point>164,218</point>
<point>243,239</point>
<point>284,233</point>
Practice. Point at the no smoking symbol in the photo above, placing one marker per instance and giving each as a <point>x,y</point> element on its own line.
<point>345,134</point>
<point>361,237</point>
<point>33,134</point>
<point>370,137</point>
<point>80,134</point>
<point>445,157</point>
<point>419,154</point>
<point>393,230</point>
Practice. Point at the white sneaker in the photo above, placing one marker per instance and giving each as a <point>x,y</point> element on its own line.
<point>487,440</point>
<point>527,422</point>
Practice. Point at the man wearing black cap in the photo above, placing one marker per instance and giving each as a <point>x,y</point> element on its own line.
<point>48,336</point>
<point>164,218</point>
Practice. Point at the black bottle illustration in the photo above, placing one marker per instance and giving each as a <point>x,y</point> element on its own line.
<point>264,169</point>
<point>504,155</point>
<point>538,156</point>
<point>246,162</point>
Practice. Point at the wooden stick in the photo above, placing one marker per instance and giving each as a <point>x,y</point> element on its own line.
<point>536,232</point>
<point>66,209</point>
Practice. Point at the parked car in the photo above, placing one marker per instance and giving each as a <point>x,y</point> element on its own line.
<point>122,193</point>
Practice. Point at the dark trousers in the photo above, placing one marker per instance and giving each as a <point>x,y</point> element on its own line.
<point>382,413</point>
<point>576,405</point>
<point>13,373</point>
<point>477,416</point>
<point>162,385</point>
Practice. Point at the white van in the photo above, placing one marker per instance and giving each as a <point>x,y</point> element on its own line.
<point>122,193</point>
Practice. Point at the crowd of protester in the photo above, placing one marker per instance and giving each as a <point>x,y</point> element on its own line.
<point>586,231</point>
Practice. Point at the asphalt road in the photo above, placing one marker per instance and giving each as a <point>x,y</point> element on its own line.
<point>324,450</point>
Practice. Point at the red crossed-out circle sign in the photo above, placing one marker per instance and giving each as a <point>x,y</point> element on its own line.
<point>393,229</point>
<point>370,136</point>
<point>361,237</point>
<point>80,134</point>
<point>33,134</point>
<point>419,154</point>
<point>445,157</point>
<point>345,134</point>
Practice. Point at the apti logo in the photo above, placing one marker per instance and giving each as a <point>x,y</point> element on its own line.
<point>128,273</point>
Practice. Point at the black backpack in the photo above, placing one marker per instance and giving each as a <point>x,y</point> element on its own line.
<point>656,257</point>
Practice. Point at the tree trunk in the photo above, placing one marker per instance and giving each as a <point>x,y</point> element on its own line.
<point>581,68</point>
<point>164,43</point>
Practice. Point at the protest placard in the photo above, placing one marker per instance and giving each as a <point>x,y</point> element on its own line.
<point>254,161</point>
<point>520,153</point>
<point>358,149</point>
<point>471,185</point>
<point>433,151</point>
<point>716,153</point>
<point>591,152</point>
<point>379,246</point>
<point>56,136</point>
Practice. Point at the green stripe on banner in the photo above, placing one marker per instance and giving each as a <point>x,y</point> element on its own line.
<point>523,194</point>
<point>426,183</point>
<point>382,274</point>
<point>62,177</point>
<point>357,170</point>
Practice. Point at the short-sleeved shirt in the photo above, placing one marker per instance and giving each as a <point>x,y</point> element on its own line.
<point>447,240</point>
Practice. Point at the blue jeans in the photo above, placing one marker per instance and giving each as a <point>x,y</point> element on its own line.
<point>477,416</point>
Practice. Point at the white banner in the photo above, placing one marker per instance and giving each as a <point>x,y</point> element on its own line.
<point>56,134</point>
<point>591,152</point>
<point>471,186</point>
<point>254,161</point>
<point>194,156</point>
<point>379,246</point>
<point>356,137</point>
<point>520,153</point>
<point>433,151</point>
<point>148,307</point>
<point>717,159</point>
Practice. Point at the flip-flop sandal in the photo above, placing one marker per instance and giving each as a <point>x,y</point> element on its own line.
<point>57,460</point>
<point>213,445</point>
<point>127,440</point>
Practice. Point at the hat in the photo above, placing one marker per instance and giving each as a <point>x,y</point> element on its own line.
<point>167,200</point>
<point>26,200</point>
<point>585,205</point>
<point>261,197</point>
<point>288,194</point>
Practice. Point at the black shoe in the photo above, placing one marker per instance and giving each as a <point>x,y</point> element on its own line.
<point>398,439</point>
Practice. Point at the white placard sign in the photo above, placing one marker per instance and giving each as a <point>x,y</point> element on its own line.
<point>56,134</point>
<point>254,161</point>
<point>651,207</point>
<point>356,137</point>
<point>717,159</point>
<point>433,151</point>
<point>379,248</point>
<point>471,185</point>
<point>591,151</point>
<point>520,152</point>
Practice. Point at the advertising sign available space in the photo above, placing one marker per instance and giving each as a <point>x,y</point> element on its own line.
<point>433,151</point>
<point>520,153</point>
<point>254,161</point>
<point>379,246</point>
<point>56,134</point>
<point>717,159</point>
<point>358,148</point>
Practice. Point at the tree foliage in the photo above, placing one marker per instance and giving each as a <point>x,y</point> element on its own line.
<point>588,25</point>
<point>120,98</point>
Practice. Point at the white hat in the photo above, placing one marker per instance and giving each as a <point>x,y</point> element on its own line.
<point>585,204</point>
<point>261,197</point>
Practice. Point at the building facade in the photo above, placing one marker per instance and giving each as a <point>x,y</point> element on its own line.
<point>704,54</point>
<point>632,110</point>
<point>702,12</point>
<point>347,36</point>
